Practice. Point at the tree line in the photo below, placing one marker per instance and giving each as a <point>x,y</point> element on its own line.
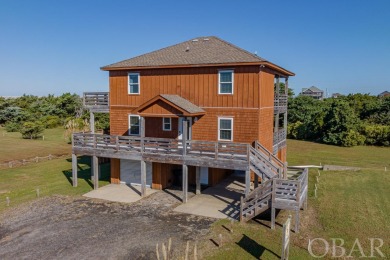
<point>30,115</point>
<point>351,120</point>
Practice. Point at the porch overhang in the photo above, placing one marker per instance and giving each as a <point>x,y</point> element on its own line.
<point>165,105</point>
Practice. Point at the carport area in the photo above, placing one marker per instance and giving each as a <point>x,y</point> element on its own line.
<point>220,201</point>
<point>119,193</point>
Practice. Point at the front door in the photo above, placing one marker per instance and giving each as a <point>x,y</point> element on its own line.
<point>180,128</point>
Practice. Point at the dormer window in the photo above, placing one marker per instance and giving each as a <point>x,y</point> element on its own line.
<point>225,81</point>
<point>134,85</point>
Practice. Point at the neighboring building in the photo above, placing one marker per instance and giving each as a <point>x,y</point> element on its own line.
<point>384,94</point>
<point>337,95</point>
<point>313,92</point>
<point>191,113</point>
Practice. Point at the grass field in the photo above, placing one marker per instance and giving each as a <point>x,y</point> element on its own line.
<point>14,147</point>
<point>350,206</point>
<point>50,177</point>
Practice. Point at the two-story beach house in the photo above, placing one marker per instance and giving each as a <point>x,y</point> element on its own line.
<point>190,113</point>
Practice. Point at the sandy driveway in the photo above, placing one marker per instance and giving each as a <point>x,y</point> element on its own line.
<point>81,228</point>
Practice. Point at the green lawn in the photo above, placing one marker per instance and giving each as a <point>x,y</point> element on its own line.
<point>14,147</point>
<point>350,205</point>
<point>50,177</point>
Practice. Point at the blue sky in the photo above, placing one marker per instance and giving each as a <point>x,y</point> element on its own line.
<point>59,46</point>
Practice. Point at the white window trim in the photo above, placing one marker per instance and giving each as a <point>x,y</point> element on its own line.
<point>170,124</point>
<point>219,128</point>
<point>219,82</point>
<point>128,83</point>
<point>139,120</point>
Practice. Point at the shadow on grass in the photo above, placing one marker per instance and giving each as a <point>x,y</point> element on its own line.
<point>264,218</point>
<point>84,173</point>
<point>253,248</point>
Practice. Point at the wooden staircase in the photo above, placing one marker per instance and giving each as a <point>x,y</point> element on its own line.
<point>258,201</point>
<point>273,173</point>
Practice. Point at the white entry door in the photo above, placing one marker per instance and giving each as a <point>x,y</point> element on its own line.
<point>130,172</point>
<point>180,128</point>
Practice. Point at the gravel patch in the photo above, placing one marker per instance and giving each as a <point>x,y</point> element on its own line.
<point>61,227</point>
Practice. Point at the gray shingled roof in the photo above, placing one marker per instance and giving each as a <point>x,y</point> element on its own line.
<point>183,103</point>
<point>201,50</point>
<point>314,89</point>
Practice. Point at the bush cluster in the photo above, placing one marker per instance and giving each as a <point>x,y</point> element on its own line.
<point>346,121</point>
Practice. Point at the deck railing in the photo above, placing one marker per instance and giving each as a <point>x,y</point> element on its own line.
<point>96,99</point>
<point>280,135</point>
<point>280,103</point>
<point>161,146</point>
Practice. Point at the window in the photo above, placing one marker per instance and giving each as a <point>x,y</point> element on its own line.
<point>225,129</point>
<point>225,81</point>
<point>167,124</point>
<point>134,127</point>
<point>134,83</point>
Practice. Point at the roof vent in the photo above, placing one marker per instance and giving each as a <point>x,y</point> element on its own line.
<point>206,39</point>
<point>188,48</point>
<point>195,40</point>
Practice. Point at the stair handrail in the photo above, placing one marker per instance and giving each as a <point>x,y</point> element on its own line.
<point>282,166</point>
<point>261,157</point>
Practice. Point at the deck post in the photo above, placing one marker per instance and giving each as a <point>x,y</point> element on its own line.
<point>143,178</point>
<point>256,184</point>
<point>185,183</point>
<point>74,169</point>
<point>296,220</point>
<point>92,122</point>
<point>197,180</point>
<point>247,182</point>
<point>273,218</point>
<point>185,136</point>
<point>95,163</point>
<point>142,132</point>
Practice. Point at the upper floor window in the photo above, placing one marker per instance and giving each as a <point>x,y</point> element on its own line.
<point>225,81</point>
<point>225,129</point>
<point>167,124</point>
<point>134,125</point>
<point>134,83</point>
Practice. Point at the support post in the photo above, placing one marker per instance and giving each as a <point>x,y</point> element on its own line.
<point>256,184</point>
<point>92,122</point>
<point>95,163</point>
<point>247,182</point>
<point>185,136</point>
<point>74,169</point>
<point>142,132</point>
<point>143,178</point>
<point>296,220</point>
<point>273,218</point>
<point>185,183</point>
<point>197,180</point>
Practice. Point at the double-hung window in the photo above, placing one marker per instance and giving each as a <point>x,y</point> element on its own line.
<point>134,125</point>
<point>225,81</point>
<point>225,129</point>
<point>134,83</point>
<point>167,124</point>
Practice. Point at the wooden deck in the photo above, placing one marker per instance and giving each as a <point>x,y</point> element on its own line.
<point>98,102</point>
<point>280,103</point>
<point>224,155</point>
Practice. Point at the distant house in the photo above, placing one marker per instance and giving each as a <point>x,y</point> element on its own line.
<point>337,95</point>
<point>384,94</point>
<point>313,92</point>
